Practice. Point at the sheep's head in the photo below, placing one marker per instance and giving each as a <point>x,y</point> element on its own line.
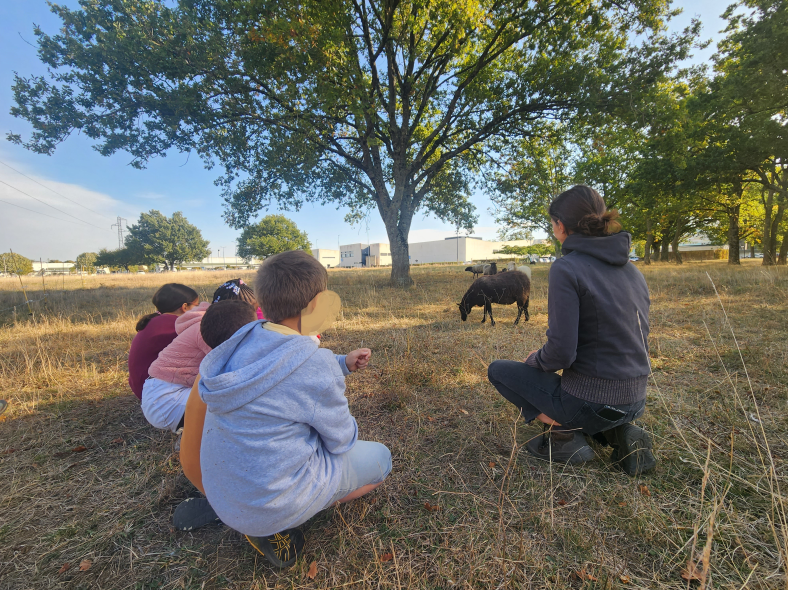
<point>464,311</point>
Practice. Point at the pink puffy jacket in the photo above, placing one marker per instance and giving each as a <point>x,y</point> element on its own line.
<point>180,361</point>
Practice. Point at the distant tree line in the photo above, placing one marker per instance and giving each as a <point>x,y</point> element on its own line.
<point>704,151</point>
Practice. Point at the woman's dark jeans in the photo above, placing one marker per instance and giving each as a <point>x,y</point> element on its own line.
<point>537,392</point>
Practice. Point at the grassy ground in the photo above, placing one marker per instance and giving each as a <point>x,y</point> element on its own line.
<point>86,482</point>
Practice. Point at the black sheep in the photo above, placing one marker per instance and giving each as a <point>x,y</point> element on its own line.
<point>504,289</point>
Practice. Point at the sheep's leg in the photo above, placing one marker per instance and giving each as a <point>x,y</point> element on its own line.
<point>484,314</point>
<point>519,313</point>
<point>527,315</point>
<point>489,310</point>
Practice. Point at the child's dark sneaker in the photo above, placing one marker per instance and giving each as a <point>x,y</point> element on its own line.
<point>281,549</point>
<point>631,449</point>
<point>560,446</point>
<point>194,513</point>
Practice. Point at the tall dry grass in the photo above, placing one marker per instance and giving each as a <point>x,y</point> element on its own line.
<point>464,507</point>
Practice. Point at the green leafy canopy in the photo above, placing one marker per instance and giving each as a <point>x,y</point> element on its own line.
<point>390,104</point>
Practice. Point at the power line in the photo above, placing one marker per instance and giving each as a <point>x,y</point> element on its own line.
<point>52,206</point>
<point>53,190</point>
<point>36,212</point>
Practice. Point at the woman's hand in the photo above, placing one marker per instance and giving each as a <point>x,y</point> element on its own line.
<point>533,352</point>
<point>358,359</point>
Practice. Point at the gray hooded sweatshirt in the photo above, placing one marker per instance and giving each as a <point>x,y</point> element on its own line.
<point>597,307</point>
<point>276,424</point>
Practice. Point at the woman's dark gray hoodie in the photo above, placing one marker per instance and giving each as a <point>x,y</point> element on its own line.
<point>597,321</point>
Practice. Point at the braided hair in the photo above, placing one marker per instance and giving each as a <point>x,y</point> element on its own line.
<point>236,289</point>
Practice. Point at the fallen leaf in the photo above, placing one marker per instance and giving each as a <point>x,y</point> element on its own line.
<point>430,418</point>
<point>79,449</point>
<point>9,451</point>
<point>622,503</point>
<point>431,507</point>
<point>643,488</point>
<point>386,557</point>
<point>118,441</point>
<point>464,412</point>
<point>312,571</point>
<point>693,571</point>
<point>492,464</point>
<point>84,565</point>
<point>562,502</point>
<point>584,575</point>
<point>624,579</point>
<point>64,567</point>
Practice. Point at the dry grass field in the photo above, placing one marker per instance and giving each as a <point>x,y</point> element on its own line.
<point>87,488</point>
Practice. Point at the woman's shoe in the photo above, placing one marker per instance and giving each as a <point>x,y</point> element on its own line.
<point>631,449</point>
<point>281,549</point>
<point>560,446</point>
<point>194,513</point>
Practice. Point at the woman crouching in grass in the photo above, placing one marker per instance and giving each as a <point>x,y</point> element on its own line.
<point>598,305</point>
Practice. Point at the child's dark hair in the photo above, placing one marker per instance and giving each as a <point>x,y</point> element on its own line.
<point>287,282</point>
<point>225,318</point>
<point>167,299</point>
<point>235,289</point>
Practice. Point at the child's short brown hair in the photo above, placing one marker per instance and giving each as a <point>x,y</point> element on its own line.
<point>287,282</point>
<point>225,318</point>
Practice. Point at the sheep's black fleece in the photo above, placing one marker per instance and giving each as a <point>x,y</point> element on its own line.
<point>597,307</point>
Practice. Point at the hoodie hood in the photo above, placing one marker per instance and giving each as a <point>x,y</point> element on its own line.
<point>613,249</point>
<point>248,365</point>
<point>191,317</point>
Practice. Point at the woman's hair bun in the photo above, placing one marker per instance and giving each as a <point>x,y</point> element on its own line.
<point>595,224</point>
<point>582,210</point>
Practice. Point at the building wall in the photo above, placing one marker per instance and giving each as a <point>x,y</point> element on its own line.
<point>326,257</point>
<point>350,255</point>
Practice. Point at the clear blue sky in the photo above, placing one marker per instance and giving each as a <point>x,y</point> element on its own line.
<point>102,188</point>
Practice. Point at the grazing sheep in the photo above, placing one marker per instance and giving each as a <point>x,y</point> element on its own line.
<point>526,269</point>
<point>476,269</point>
<point>504,289</point>
<point>510,266</point>
<point>490,269</point>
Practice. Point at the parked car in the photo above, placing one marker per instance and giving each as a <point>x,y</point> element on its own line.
<point>140,272</point>
<point>634,258</point>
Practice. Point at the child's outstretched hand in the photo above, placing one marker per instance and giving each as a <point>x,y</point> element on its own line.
<point>358,359</point>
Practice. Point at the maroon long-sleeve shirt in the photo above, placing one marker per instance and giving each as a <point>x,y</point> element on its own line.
<point>146,346</point>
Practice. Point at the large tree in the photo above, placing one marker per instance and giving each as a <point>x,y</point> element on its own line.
<point>86,261</point>
<point>13,263</point>
<point>388,103</point>
<point>156,238</point>
<point>271,235</point>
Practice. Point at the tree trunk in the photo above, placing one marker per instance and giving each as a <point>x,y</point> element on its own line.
<point>400,255</point>
<point>675,246</point>
<point>664,255</point>
<point>675,242</point>
<point>770,244</point>
<point>649,241</point>
<point>783,250</point>
<point>733,234</point>
<point>655,250</point>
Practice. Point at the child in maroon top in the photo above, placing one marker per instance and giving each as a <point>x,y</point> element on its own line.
<point>156,330</point>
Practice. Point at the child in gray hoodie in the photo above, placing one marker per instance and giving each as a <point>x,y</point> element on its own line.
<point>279,443</point>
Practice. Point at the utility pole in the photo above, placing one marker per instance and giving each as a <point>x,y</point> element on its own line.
<point>120,224</point>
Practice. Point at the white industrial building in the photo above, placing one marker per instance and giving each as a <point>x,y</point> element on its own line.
<point>326,257</point>
<point>455,249</point>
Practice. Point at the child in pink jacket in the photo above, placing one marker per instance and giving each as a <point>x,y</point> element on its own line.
<point>172,374</point>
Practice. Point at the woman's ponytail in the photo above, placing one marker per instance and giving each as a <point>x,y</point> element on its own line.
<point>582,210</point>
<point>167,299</point>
